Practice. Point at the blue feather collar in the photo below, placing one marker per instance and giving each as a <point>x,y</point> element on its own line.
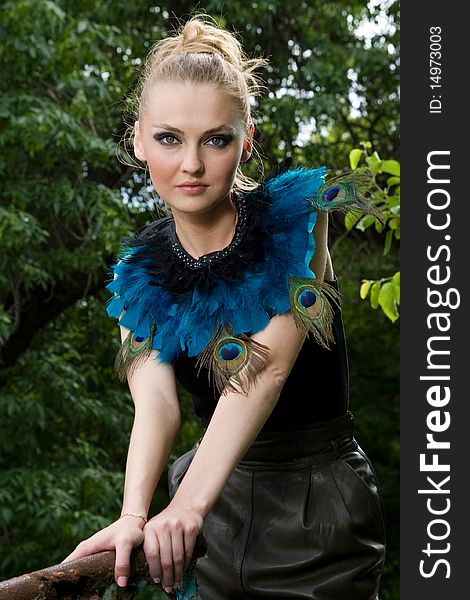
<point>177,305</point>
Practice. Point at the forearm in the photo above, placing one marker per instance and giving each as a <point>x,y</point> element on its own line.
<point>153,434</point>
<point>156,423</point>
<point>236,422</point>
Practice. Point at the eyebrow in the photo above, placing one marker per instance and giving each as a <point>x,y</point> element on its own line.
<point>222,127</point>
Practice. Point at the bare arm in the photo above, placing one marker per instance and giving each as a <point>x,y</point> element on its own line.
<point>321,263</point>
<point>156,424</point>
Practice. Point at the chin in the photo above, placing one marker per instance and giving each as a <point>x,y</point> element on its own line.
<point>196,204</point>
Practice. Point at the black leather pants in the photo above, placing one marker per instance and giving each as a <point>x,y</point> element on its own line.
<point>300,517</point>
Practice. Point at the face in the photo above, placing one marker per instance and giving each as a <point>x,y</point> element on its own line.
<point>193,140</point>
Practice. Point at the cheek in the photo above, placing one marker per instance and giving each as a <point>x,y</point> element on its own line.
<point>229,163</point>
<point>160,166</point>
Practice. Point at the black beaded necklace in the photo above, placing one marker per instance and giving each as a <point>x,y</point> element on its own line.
<point>211,257</point>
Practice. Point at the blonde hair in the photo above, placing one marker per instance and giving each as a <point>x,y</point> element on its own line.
<point>200,52</point>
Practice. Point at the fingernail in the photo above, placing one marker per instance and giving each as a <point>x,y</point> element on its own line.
<point>157,579</point>
<point>122,581</point>
<point>168,590</point>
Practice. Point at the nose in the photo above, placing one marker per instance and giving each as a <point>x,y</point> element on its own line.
<point>192,160</point>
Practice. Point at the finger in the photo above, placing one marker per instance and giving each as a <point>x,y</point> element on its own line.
<point>84,548</point>
<point>166,561</point>
<point>177,546</point>
<point>121,566</point>
<point>76,554</point>
<point>189,543</point>
<point>152,554</point>
<point>69,558</point>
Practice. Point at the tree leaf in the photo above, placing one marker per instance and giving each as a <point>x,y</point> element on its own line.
<point>351,218</point>
<point>396,286</point>
<point>388,241</point>
<point>354,157</point>
<point>365,222</point>
<point>393,181</point>
<point>387,301</point>
<point>391,166</point>
<point>375,163</point>
<point>82,26</point>
<point>374,294</point>
<point>365,287</point>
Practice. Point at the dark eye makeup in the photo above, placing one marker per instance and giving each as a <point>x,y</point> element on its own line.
<point>164,137</point>
<point>218,141</point>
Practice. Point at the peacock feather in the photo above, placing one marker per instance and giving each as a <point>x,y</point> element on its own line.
<point>233,362</point>
<point>345,192</point>
<point>311,308</point>
<point>189,588</point>
<point>133,351</point>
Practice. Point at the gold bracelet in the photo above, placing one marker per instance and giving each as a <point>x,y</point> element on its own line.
<point>131,514</point>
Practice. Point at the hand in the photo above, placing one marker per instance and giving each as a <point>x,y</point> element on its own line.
<point>122,535</point>
<point>169,543</point>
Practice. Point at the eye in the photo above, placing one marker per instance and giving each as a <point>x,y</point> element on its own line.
<point>219,141</point>
<point>166,139</point>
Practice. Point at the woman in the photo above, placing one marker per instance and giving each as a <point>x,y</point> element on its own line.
<point>234,295</point>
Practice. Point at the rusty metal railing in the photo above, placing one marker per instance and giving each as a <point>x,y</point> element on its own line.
<point>94,576</point>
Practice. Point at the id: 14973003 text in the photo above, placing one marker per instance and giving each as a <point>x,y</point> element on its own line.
<point>435,69</point>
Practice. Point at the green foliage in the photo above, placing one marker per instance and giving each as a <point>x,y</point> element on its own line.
<point>383,292</point>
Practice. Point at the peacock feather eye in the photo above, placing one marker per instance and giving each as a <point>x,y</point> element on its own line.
<point>311,308</point>
<point>231,355</point>
<point>331,193</point>
<point>346,192</point>
<point>134,350</point>
<point>230,351</point>
<point>137,343</point>
<point>306,297</point>
<point>233,362</point>
<point>336,192</point>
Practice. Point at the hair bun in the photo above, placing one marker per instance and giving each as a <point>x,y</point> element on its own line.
<point>190,33</point>
<point>200,37</point>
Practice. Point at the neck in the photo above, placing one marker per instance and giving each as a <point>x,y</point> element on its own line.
<point>208,232</point>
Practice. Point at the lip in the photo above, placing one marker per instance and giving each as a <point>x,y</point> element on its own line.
<point>192,187</point>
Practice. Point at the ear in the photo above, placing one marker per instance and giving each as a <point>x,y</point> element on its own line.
<point>246,153</point>
<point>248,145</point>
<point>138,145</point>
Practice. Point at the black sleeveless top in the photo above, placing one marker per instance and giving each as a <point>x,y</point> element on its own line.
<point>317,388</point>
